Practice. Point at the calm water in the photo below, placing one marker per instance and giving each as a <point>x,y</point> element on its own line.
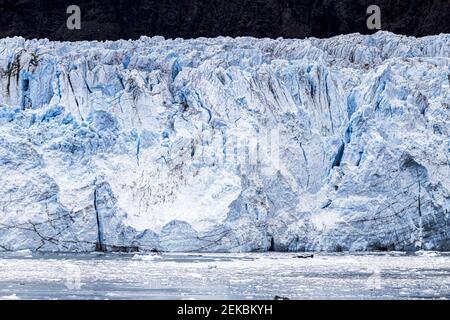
<point>224,276</point>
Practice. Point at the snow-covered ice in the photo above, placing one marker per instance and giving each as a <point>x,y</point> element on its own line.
<point>225,144</point>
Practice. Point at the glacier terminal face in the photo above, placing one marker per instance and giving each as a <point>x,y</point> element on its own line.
<point>225,144</point>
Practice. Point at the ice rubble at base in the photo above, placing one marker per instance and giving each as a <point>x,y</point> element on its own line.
<point>130,145</point>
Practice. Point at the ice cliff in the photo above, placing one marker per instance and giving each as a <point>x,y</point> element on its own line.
<point>225,144</point>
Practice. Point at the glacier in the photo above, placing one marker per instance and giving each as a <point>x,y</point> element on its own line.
<point>225,144</point>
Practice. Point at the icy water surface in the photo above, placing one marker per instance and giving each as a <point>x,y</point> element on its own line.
<point>224,276</point>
